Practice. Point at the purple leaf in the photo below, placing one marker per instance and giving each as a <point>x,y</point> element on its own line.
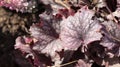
<point>66,13</point>
<point>80,29</point>
<point>111,39</point>
<point>46,41</point>
<point>26,48</point>
<point>43,33</point>
<point>52,50</point>
<point>22,45</point>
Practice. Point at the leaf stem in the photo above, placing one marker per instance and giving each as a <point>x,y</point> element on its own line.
<point>64,64</point>
<point>68,63</point>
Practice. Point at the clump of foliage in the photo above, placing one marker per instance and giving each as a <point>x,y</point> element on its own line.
<point>74,33</point>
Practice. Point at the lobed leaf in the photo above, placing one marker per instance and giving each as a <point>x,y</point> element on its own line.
<point>80,29</point>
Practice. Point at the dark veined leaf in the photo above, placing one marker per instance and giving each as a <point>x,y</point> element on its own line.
<point>43,33</point>
<point>80,29</point>
<point>22,45</point>
<point>52,50</point>
<point>111,39</point>
<point>47,43</point>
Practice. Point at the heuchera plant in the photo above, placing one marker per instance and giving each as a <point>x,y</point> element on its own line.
<point>19,5</point>
<point>60,33</point>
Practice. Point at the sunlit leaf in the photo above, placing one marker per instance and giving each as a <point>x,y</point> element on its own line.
<point>80,29</point>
